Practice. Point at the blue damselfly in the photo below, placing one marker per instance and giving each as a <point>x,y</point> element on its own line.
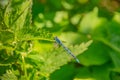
<point>66,49</point>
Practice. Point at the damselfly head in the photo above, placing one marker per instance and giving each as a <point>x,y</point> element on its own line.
<point>57,40</point>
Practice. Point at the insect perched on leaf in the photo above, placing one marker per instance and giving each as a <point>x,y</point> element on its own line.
<point>57,40</point>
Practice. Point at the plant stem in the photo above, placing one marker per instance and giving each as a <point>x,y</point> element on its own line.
<point>24,66</point>
<point>110,45</point>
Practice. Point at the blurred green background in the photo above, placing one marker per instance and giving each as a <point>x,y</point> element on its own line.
<point>75,22</point>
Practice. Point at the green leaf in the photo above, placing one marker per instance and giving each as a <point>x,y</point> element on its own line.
<point>16,12</point>
<point>68,70</point>
<point>58,57</point>
<point>94,73</point>
<point>95,55</point>
<point>83,74</point>
<point>87,25</point>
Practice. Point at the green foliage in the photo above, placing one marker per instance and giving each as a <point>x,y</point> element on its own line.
<point>18,43</point>
<point>27,30</point>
